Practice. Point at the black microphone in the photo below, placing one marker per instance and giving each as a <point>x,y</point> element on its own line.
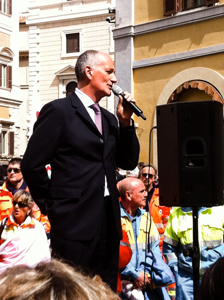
<point>119,92</point>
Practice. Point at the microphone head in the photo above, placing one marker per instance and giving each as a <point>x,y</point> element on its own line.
<point>117,90</point>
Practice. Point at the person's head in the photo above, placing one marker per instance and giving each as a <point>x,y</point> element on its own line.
<point>52,280</point>
<point>22,205</point>
<point>147,175</point>
<point>95,73</point>
<point>15,175</point>
<point>212,287</point>
<point>133,193</point>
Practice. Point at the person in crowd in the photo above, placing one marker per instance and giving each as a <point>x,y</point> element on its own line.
<point>212,287</point>
<point>159,213</point>
<point>178,242</point>
<point>14,183</point>
<point>139,274</point>
<point>148,175</point>
<point>82,146</point>
<point>52,280</point>
<point>23,239</point>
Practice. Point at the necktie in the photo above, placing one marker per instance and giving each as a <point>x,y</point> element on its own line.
<point>98,121</point>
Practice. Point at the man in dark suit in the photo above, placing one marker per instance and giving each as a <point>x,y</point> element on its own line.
<point>81,198</point>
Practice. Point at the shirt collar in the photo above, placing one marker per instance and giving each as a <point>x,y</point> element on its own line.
<point>85,99</point>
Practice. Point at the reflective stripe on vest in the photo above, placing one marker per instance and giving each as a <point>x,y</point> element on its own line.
<point>142,245</point>
<point>124,244</point>
<point>143,230</point>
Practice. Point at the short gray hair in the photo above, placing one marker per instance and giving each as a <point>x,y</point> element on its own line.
<point>89,57</point>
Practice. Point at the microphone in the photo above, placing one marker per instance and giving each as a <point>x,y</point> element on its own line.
<point>119,92</point>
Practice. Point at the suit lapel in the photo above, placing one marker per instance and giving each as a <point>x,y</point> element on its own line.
<point>82,112</point>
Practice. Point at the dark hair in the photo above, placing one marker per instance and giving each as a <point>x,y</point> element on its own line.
<point>15,160</point>
<point>88,57</point>
<point>145,166</point>
<point>212,285</point>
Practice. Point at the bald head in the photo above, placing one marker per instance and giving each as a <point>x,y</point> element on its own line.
<point>132,192</point>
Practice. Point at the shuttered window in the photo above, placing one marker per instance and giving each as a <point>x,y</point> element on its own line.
<point>72,43</point>
<point>170,7</point>
<point>9,77</point>
<point>5,76</point>
<point>6,142</point>
<point>11,143</point>
<point>9,7</point>
<point>173,6</point>
<point>6,6</point>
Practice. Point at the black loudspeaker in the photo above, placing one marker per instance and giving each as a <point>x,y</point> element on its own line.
<point>190,153</point>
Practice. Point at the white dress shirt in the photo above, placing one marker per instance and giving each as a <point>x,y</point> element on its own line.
<point>87,102</point>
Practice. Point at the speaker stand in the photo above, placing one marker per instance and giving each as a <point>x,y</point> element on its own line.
<point>194,252</point>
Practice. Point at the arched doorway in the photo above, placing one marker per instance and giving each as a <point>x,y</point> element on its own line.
<point>195,84</point>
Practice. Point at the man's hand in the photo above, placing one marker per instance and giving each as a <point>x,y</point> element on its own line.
<point>124,113</point>
<point>142,281</point>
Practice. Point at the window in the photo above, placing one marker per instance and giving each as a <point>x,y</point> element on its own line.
<point>6,142</point>
<point>5,76</point>
<point>6,6</point>
<point>71,43</point>
<point>175,6</point>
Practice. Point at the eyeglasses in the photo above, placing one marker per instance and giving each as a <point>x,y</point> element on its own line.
<point>15,170</point>
<point>20,204</point>
<point>147,174</point>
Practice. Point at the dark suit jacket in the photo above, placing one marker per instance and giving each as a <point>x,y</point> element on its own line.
<point>66,137</point>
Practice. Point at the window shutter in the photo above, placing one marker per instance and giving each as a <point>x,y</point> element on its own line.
<point>170,7</point>
<point>210,2</point>
<point>0,73</point>
<point>9,77</point>
<point>72,43</point>
<point>11,143</point>
<point>9,7</point>
<point>1,143</point>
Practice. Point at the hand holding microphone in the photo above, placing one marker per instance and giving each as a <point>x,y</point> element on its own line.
<point>119,92</point>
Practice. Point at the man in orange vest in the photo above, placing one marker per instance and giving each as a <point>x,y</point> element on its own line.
<point>160,214</point>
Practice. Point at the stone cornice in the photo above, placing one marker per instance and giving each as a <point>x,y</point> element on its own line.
<point>37,19</point>
<point>180,19</point>
<point>178,56</point>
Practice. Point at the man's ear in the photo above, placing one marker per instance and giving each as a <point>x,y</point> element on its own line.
<point>128,195</point>
<point>88,72</point>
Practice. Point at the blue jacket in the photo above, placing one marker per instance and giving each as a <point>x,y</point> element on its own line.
<point>137,229</point>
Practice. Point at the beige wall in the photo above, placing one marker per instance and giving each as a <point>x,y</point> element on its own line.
<point>95,36</point>
<point>179,39</point>
<point>4,40</point>
<point>146,11</point>
<point>4,112</point>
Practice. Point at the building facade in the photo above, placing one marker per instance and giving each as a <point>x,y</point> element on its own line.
<point>169,51</point>
<point>13,127</point>
<point>59,31</point>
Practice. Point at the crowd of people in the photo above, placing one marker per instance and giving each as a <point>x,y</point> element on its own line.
<point>115,239</point>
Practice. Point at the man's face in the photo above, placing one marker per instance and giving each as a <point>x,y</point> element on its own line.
<point>138,195</point>
<point>103,76</point>
<point>14,173</point>
<point>147,177</point>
